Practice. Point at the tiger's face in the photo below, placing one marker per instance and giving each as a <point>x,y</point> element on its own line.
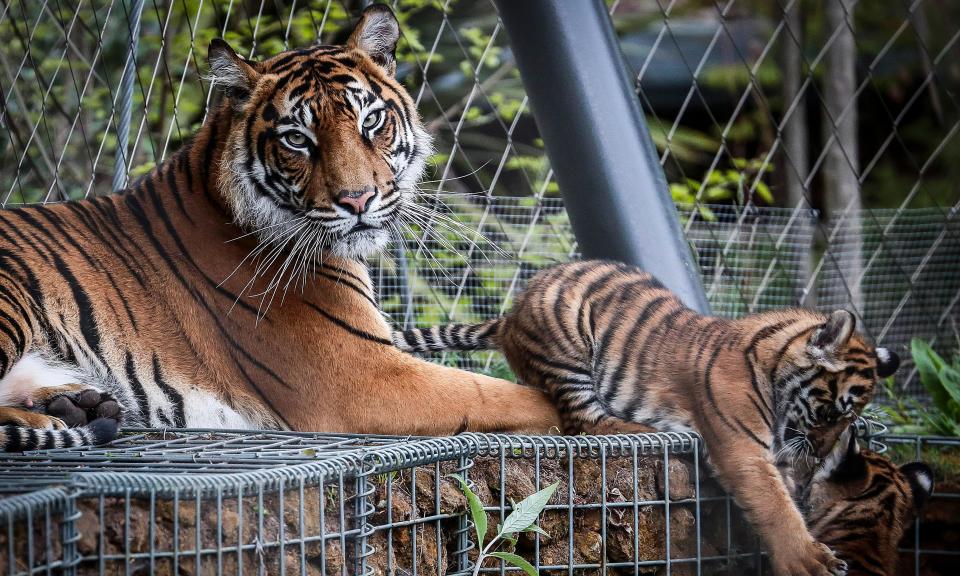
<point>326,146</point>
<point>826,381</point>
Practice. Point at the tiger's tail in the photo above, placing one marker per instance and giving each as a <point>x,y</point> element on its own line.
<point>480,336</point>
<point>20,439</point>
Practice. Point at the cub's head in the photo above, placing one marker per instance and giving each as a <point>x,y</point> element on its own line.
<point>325,146</point>
<point>860,504</point>
<point>825,377</point>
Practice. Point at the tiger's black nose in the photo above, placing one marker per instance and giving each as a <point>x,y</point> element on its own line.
<point>356,201</point>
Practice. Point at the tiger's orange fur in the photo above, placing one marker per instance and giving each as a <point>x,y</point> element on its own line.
<point>619,352</point>
<point>158,296</point>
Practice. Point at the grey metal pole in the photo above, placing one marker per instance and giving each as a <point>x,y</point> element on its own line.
<point>126,97</point>
<point>597,139</point>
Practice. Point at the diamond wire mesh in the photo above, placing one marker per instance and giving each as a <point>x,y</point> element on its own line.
<point>742,103</point>
<point>735,91</point>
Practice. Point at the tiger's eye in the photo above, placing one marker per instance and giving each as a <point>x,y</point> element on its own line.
<point>372,119</point>
<point>295,139</point>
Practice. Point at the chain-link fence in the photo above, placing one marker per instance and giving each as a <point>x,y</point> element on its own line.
<point>810,145</point>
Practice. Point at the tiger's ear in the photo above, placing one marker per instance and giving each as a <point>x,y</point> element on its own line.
<point>887,362</point>
<point>831,335</point>
<point>232,73</point>
<point>920,477</point>
<point>377,34</point>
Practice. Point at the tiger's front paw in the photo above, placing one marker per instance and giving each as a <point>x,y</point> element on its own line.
<point>78,408</point>
<point>814,559</point>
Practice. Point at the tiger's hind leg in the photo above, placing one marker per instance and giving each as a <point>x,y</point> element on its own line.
<point>582,411</point>
<point>614,425</point>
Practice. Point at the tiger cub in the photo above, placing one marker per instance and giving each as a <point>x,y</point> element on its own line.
<point>860,504</point>
<point>619,352</point>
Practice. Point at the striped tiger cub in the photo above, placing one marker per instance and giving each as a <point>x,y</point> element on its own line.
<point>860,504</point>
<point>619,352</point>
<point>227,287</point>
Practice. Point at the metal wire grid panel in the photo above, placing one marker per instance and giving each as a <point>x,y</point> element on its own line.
<point>321,504</point>
<point>931,548</point>
<point>214,502</point>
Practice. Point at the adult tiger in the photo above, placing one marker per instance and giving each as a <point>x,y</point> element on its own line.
<point>144,297</point>
<point>618,351</point>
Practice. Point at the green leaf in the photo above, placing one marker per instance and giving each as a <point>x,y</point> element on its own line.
<point>537,529</point>
<point>763,191</point>
<point>477,514</point>
<point>929,364</point>
<point>516,561</point>
<point>525,513</point>
<point>950,380</point>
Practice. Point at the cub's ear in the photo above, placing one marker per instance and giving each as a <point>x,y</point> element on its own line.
<point>237,76</point>
<point>832,334</point>
<point>887,362</point>
<point>920,477</point>
<point>851,466</point>
<point>377,33</point>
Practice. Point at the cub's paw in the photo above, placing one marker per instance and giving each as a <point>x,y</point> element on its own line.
<point>815,560</point>
<point>80,407</point>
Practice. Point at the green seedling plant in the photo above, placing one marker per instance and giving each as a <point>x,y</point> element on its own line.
<point>522,519</point>
<point>942,381</point>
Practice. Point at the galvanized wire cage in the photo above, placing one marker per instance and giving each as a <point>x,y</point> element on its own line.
<point>216,502</point>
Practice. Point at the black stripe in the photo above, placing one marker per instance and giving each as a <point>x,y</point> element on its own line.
<point>783,350</point>
<point>617,379</point>
<point>162,418</point>
<point>172,232</point>
<point>410,337</point>
<point>49,440</point>
<point>708,385</point>
<point>136,386</point>
<point>57,223</point>
<point>429,341</point>
<point>100,230</point>
<point>13,439</point>
<point>179,415</point>
<point>562,367</point>
<point>173,189</point>
<point>88,323</point>
<point>341,281</point>
<point>352,330</point>
<point>751,353</point>
<point>18,336</point>
<point>137,211</point>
